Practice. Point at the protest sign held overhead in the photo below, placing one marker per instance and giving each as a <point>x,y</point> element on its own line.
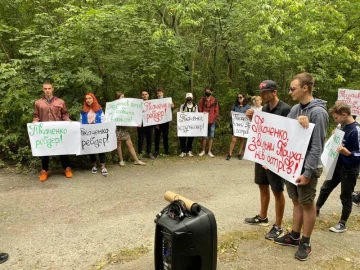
<point>351,98</point>
<point>54,138</point>
<point>99,138</point>
<point>125,112</point>
<point>156,111</point>
<point>192,124</point>
<point>278,143</point>
<point>241,124</point>
<point>330,154</point>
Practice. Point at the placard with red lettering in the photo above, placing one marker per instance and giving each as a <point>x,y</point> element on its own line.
<point>350,97</point>
<point>278,143</point>
<point>157,111</point>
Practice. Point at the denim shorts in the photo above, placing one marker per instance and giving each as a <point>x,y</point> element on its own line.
<point>211,131</point>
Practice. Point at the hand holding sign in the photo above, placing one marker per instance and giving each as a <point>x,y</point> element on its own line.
<point>330,154</point>
<point>302,180</point>
<point>156,111</point>
<point>278,143</point>
<point>304,121</point>
<point>343,150</point>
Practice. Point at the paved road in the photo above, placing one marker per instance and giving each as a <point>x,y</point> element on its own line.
<point>74,223</point>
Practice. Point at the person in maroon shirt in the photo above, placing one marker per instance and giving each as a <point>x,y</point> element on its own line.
<point>209,105</point>
<point>51,108</point>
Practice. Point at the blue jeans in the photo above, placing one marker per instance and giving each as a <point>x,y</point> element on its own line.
<point>211,131</point>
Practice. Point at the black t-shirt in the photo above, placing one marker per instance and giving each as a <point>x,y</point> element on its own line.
<point>281,109</point>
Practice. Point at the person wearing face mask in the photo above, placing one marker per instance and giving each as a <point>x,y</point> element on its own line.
<point>92,113</point>
<point>186,142</point>
<point>162,128</point>
<point>210,105</point>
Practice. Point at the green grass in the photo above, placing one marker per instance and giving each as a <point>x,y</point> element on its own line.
<point>123,256</point>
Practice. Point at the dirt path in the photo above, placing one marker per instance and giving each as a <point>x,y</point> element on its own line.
<point>75,223</point>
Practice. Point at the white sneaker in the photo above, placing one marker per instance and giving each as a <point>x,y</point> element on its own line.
<point>122,163</point>
<point>182,154</point>
<point>202,153</point>
<point>94,170</point>
<point>139,162</point>
<point>104,171</point>
<point>210,154</point>
<point>190,154</point>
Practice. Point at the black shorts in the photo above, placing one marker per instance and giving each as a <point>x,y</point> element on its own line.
<point>267,177</point>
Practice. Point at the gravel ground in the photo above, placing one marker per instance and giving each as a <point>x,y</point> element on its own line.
<point>74,223</point>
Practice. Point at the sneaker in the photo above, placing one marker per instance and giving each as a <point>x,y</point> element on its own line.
<point>338,228</point>
<point>43,175</point>
<point>182,154</point>
<point>151,156</point>
<point>94,170</point>
<point>167,154</point>
<point>355,201</point>
<point>122,164</point>
<point>240,156</point>
<point>104,171</point>
<point>190,154</point>
<point>287,240</point>
<point>156,154</point>
<point>257,220</point>
<point>139,162</point>
<point>275,232</point>
<point>228,157</point>
<point>4,257</point>
<point>303,252</point>
<point>68,172</point>
<point>210,154</point>
<point>202,153</point>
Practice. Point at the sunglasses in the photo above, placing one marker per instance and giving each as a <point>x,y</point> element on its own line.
<point>240,97</point>
<point>292,89</point>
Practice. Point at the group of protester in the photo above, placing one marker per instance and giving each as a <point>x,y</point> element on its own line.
<point>308,110</point>
<point>52,108</point>
<point>305,210</point>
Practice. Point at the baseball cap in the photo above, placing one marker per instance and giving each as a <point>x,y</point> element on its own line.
<point>189,95</point>
<point>268,85</point>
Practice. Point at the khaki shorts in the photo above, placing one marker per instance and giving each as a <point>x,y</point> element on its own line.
<point>306,194</point>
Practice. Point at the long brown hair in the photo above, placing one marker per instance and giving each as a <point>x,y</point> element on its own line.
<point>119,94</point>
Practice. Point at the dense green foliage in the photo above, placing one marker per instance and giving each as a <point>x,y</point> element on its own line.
<point>105,46</point>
